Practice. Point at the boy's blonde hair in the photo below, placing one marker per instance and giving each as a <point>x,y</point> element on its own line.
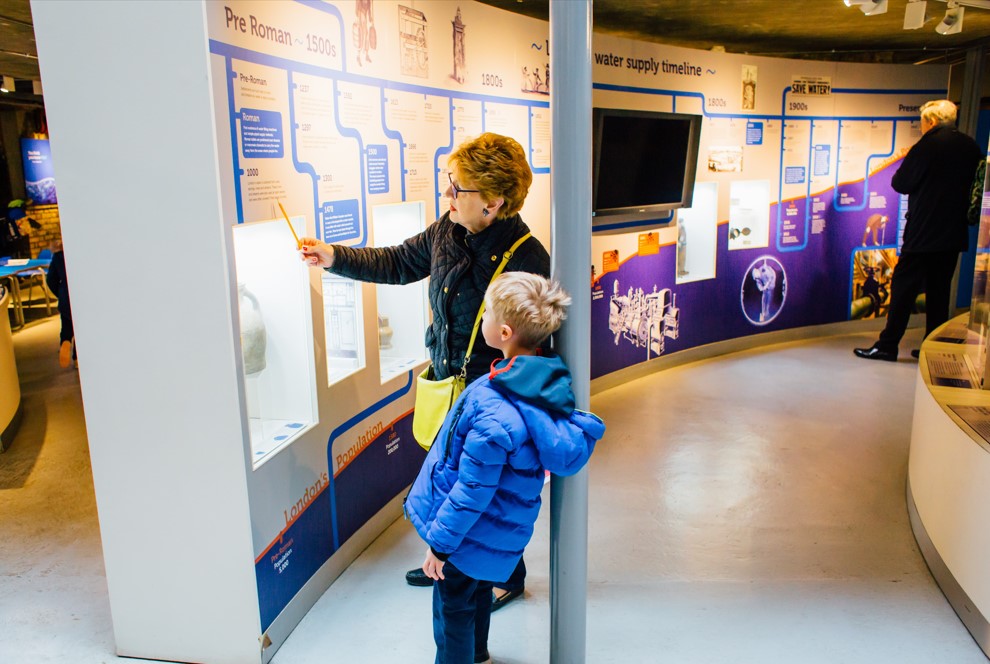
<point>533,306</point>
<point>496,165</point>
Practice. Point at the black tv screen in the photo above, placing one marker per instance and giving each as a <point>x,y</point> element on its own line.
<point>644,162</point>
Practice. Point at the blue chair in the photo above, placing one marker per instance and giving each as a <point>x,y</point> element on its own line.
<point>36,277</point>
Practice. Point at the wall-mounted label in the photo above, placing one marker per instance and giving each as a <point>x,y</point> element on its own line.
<point>793,174</point>
<point>340,220</point>
<point>377,169</point>
<point>754,133</point>
<point>649,243</point>
<point>261,134</point>
<point>610,261</point>
<point>811,86</point>
<point>821,158</point>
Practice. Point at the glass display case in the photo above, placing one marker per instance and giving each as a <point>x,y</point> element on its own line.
<point>697,235</point>
<point>749,214</point>
<point>276,334</point>
<point>343,314</point>
<point>403,310</point>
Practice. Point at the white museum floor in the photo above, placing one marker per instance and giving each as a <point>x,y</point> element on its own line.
<point>744,509</point>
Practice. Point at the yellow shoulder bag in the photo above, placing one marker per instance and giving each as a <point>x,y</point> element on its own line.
<point>435,397</point>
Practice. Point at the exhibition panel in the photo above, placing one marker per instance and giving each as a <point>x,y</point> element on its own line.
<point>783,162</point>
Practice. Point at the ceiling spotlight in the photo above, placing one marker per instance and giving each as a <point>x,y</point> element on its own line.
<point>914,14</point>
<point>952,22</point>
<point>6,84</point>
<point>869,7</point>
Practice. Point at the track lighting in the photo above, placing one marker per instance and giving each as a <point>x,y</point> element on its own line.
<point>952,22</point>
<point>869,7</point>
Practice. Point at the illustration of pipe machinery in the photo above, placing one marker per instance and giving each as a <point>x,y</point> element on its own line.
<point>644,319</point>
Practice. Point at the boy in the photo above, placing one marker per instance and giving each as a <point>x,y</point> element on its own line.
<point>477,495</point>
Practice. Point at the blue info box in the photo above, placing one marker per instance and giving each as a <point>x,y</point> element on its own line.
<point>261,134</point>
<point>340,220</point>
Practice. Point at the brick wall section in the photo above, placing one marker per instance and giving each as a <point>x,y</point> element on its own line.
<point>49,236</point>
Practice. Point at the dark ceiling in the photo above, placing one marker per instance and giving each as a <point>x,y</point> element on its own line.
<point>815,29</point>
<point>18,52</point>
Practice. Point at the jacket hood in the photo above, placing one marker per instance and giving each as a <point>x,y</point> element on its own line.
<point>540,388</point>
<point>542,381</point>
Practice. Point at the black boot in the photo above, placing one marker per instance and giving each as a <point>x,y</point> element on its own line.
<point>417,577</point>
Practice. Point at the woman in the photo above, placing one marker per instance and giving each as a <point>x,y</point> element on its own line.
<point>488,180</point>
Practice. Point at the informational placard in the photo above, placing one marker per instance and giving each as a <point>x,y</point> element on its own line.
<point>951,370</point>
<point>39,172</point>
<point>956,334</point>
<point>977,417</point>
<point>649,243</point>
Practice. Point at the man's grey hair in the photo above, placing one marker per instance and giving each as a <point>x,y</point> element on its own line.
<point>939,112</point>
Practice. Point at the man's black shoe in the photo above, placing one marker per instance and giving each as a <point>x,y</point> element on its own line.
<point>916,354</point>
<point>875,353</point>
<point>417,577</point>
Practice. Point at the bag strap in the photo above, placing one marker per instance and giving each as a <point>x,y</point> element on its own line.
<point>481,310</point>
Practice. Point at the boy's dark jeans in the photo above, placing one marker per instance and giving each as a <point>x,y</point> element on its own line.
<point>462,611</point>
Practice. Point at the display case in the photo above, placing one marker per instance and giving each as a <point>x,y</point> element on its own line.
<point>403,310</point>
<point>749,214</point>
<point>342,311</point>
<point>276,334</point>
<point>697,235</point>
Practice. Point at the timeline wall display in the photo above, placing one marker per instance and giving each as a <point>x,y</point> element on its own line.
<point>796,158</point>
<point>345,113</point>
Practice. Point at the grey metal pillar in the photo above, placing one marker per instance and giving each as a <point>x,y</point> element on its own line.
<point>969,112</point>
<point>570,103</point>
<point>969,103</point>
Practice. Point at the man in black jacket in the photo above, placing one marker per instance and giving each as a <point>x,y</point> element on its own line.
<point>937,175</point>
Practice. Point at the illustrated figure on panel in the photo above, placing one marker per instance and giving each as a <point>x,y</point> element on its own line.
<point>364,38</point>
<point>766,279</point>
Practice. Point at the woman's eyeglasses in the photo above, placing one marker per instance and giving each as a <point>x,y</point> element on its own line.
<point>457,190</point>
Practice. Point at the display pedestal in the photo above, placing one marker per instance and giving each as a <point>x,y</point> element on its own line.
<point>948,489</point>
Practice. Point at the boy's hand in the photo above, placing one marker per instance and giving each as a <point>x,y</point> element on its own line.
<point>433,566</point>
<point>315,253</point>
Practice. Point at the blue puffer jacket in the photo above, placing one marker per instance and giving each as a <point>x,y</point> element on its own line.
<point>477,495</point>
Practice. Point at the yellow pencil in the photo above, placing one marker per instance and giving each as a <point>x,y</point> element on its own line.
<point>298,243</point>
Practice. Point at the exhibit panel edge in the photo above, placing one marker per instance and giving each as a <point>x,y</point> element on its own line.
<point>171,490</point>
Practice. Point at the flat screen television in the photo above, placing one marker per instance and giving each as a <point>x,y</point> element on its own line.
<point>644,165</point>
